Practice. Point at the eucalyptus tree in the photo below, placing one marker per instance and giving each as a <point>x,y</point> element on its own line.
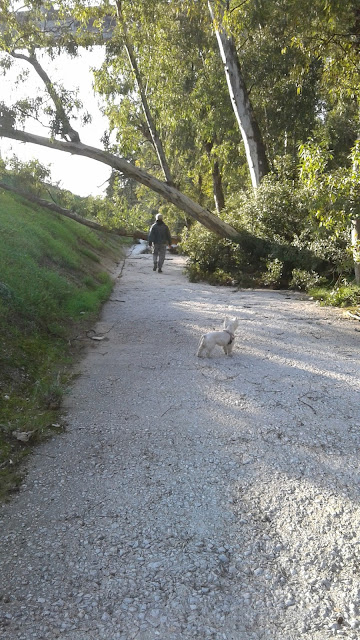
<point>29,34</point>
<point>248,124</point>
<point>200,125</point>
<point>300,64</point>
<point>128,44</point>
<point>185,95</point>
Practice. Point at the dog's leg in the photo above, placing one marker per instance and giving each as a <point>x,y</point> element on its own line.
<point>230,348</point>
<point>209,350</point>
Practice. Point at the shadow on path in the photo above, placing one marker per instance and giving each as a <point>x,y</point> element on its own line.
<point>194,498</point>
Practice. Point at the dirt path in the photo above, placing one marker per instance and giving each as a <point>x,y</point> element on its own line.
<point>195,499</point>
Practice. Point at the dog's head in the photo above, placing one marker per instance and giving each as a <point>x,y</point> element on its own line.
<point>231,324</point>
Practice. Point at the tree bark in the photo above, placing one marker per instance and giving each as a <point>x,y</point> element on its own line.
<point>218,192</point>
<point>250,132</point>
<point>180,200</point>
<point>217,187</point>
<point>145,105</point>
<point>355,242</point>
<point>355,222</point>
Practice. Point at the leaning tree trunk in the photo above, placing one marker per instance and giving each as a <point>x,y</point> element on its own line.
<point>142,93</point>
<point>251,135</point>
<point>180,200</point>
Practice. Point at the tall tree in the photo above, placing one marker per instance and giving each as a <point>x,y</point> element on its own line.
<point>17,33</point>
<point>177,54</point>
<point>331,33</point>
<point>142,93</point>
<point>250,131</point>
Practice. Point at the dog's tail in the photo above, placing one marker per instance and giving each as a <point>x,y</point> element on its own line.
<point>200,348</point>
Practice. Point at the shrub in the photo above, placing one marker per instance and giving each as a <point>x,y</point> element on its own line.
<point>277,235</point>
<point>272,277</point>
<point>221,261</point>
<point>277,210</point>
<point>305,280</point>
<point>344,294</point>
<point>331,252</point>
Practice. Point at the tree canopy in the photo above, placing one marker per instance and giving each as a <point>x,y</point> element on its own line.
<point>204,99</point>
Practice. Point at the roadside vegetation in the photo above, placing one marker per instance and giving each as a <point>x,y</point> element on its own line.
<point>282,244</point>
<point>53,281</point>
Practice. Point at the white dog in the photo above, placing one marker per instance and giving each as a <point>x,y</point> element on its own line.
<point>224,339</point>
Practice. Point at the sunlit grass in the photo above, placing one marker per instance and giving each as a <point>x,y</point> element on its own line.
<point>343,294</point>
<point>51,284</point>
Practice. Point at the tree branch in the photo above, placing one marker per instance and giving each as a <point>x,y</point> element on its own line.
<point>238,6</point>
<point>66,129</point>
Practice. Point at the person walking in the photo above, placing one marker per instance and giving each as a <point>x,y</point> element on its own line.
<point>159,237</point>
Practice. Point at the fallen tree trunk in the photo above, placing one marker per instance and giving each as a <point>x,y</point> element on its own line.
<point>169,193</point>
<point>52,206</point>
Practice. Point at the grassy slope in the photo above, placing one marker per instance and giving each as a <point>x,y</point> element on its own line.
<point>52,285</point>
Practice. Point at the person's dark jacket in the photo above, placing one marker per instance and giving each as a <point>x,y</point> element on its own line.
<point>159,233</point>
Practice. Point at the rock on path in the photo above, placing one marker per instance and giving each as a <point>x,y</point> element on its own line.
<point>195,499</point>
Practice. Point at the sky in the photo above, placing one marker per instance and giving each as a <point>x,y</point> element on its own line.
<point>82,176</point>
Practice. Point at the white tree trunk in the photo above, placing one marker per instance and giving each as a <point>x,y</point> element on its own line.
<point>355,243</point>
<point>181,201</point>
<point>355,222</point>
<point>250,132</point>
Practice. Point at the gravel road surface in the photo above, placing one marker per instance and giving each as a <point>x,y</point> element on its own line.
<point>195,499</point>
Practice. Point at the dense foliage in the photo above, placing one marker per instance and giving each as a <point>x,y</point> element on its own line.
<point>281,243</point>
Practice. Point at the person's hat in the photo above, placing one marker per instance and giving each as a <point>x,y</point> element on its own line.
<point>158,216</point>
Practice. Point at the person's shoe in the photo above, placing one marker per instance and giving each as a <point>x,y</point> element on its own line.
<point>154,267</point>
<point>159,270</point>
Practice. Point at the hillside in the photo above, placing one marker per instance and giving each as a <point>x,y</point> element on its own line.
<point>54,276</point>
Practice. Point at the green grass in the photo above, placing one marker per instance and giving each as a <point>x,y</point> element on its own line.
<point>52,285</point>
<point>343,294</point>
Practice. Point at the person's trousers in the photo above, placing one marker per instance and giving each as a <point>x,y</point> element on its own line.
<point>159,251</point>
